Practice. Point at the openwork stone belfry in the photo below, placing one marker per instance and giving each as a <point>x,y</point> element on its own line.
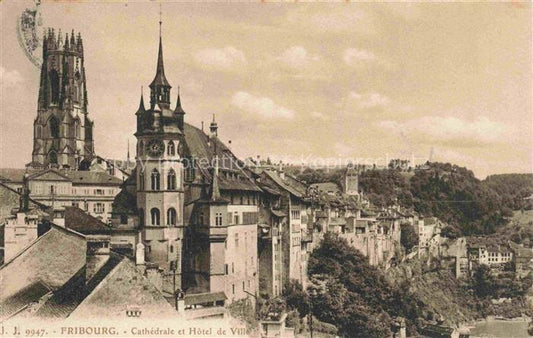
<point>63,133</point>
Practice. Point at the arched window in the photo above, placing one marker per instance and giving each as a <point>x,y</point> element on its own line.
<point>189,164</point>
<point>54,81</point>
<point>171,216</point>
<point>141,148</point>
<point>155,178</point>
<point>171,150</point>
<point>154,213</point>
<point>54,127</point>
<point>141,180</point>
<point>52,157</point>
<point>171,180</point>
<point>78,129</point>
<point>141,216</point>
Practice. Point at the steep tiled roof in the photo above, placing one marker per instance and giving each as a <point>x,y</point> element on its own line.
<point>52,259</point>
<point>92,177</point>
<point>204,148</point>
<point>23,298</point>
<point>288,183</point>
<point>326,187</point>
<point>11,175</point>
<point>123,288</point>
<point>78,220</point>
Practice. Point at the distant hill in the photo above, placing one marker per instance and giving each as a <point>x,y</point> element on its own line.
<point>449,192</point>
<point>512,188</point>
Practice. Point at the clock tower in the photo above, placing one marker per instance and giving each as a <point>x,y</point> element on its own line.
<point>159,175</point>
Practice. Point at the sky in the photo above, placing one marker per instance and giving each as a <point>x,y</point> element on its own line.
<point>319,83</point>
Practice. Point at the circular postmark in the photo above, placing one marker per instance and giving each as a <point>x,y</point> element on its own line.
<point>29,32</point>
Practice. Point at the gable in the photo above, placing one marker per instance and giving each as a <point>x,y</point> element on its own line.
<point>122,289</point>
<point>48,175</point>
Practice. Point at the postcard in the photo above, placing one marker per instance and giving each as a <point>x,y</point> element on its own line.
<point>266,169</point>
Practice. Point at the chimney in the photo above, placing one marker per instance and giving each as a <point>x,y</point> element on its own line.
<point>97,254</point>
<point>139,252</point>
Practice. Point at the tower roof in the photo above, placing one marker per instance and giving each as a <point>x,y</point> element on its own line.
<point>160,78</point>
<point>179,109</point>
<point>141,105</point>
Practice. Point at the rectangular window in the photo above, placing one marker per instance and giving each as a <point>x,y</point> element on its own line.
<point>236,240</point>
<point>98,208</point>
<point>250,217</point>
<point>236,219</point>
<point>218,219</point>
<point>232,268</point>
<point>226,269</point>
<point>99,192</point>
<point>233,288</point>
<point>242,285</point>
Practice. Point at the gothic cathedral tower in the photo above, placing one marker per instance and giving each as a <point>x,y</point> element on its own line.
<point>159,173</point>
<point>63,133</point>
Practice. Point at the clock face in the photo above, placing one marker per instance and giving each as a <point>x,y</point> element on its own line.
<point>155,148</point>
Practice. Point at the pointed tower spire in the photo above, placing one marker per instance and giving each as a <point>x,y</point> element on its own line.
<point>72,39</point>
<point>179,112</point>
<point>160,88</point>
<point>67,47</point>
<point>141,104</point>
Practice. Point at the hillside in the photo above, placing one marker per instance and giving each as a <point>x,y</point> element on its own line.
<point>449,192</point>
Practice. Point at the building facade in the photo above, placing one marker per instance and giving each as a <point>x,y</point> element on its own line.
<point>63,132</point>
<point>159,181</point>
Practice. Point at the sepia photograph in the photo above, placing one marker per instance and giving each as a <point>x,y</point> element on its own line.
<point>268,169</point>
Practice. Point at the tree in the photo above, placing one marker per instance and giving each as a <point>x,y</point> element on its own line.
<point>296,298</point>
<point>408,237</point>
<point>482,281</point>
<point>349,293</point>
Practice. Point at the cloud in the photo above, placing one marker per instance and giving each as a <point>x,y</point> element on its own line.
<point>260,106</point>
<point>450,131</point>
<point>319,115</point>
<point>297,57</point>
<point>222,59</point>
<point>337,19</point>
<point>354,56</point>
<point>10,78</point>
<point>342,149</point>
<point>367,100</point>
